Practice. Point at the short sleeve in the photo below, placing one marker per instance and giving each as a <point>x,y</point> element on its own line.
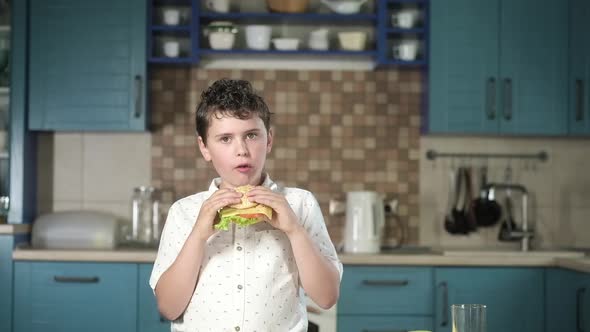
<point>175,232</point>
<point>315,225</point>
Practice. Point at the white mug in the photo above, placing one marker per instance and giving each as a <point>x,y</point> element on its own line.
<point>406,50</point>
<point>171,48</point>
<point>405,18</point>
<point>220,6</point>
<point>171,16</point>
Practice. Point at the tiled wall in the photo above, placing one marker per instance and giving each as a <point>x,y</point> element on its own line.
<point>559,189</point>
<point>335,131</point>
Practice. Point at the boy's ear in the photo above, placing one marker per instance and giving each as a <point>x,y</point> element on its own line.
<point>269,141</point>
<point>204,149</point>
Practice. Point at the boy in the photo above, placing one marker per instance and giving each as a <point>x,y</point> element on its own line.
<point>247,278</point>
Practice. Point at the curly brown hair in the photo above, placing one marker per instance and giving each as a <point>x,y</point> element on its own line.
<point>234,98</point>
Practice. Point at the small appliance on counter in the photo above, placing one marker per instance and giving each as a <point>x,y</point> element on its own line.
<point>365,221</point>
<point>75,230</point>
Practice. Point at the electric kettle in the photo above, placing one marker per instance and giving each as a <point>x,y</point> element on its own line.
<point>365,221</point>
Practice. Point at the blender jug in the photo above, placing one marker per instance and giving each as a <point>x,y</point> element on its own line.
<point>145,216</point>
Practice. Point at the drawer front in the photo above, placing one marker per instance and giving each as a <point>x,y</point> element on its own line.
<point>354,323</point>
<point>386,290</point>
<point>75,297</point>
<point>150,319</point>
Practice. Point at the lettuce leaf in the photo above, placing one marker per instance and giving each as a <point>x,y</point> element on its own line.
<point>225,221</point>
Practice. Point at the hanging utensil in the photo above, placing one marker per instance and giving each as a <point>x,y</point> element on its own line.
<point>487,211</point>
<point>470,224</point>
<point>453,198</point>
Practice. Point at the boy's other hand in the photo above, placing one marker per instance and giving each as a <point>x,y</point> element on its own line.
<point>283,217</point>
<point>208,214</point>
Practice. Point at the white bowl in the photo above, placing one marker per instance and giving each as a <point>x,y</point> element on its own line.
<point>286,44</point>
<point>352,41</point>
<point>221,40</point>
<point>258,37</point>
<point>344,6</point>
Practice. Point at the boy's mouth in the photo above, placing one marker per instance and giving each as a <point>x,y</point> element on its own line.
<point>244,167</point>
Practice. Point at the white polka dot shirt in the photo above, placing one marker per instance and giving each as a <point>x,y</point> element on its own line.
<point>249,279</point>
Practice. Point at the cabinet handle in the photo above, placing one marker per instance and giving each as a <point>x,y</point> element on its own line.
<point>386,282</point>
<point>507,99</point>
<point>138,95</point>
<point>445,304</point>
<point>78,280</point>
<point>579,308</point>
<point>491,98</point>
<point>579,100</point>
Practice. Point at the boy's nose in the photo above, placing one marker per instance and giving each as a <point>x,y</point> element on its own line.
<point>242,149</point>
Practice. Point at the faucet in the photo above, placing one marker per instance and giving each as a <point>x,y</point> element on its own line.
<point>524,234</point>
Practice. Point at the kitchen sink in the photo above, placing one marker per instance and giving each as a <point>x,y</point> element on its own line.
<point>549,253</point>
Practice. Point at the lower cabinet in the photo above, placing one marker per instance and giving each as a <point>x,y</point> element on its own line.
<point>150,319</point>
<point>385,298</point>
<point>514,296</point>
<point>73,297</point>
<point>89,297</point>
<point>568,301</point>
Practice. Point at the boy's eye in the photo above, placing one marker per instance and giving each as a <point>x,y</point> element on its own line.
<point>251,135</point>
<point>224,139</point>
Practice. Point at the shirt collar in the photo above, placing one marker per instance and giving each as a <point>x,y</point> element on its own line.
<point>268,182</point>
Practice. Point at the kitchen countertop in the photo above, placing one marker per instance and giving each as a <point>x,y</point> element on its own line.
<point>428,259</point>
<point>12,229</point>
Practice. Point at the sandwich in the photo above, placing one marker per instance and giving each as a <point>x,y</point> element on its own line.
<point>244,213</point>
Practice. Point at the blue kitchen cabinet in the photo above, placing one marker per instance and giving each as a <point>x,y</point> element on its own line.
<point>514,296</point>
<point>371,323</point>
<point>568,301</point>
<point>6,245</point>
<point>73,297</point>
<point>579,75</point>
<point>498,68</point>
<point>386,298</point>
<point>150,319</point>
<point>87,65</point>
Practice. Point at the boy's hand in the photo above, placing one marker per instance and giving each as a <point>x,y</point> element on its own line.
<point>208,214</point>
<point>283,217</point>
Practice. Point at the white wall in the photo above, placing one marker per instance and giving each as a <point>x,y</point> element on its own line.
<point>92,171</point>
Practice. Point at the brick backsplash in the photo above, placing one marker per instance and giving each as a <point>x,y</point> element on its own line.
<point>335,131</point>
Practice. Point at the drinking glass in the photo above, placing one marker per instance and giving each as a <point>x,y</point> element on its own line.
<point>469,317</point>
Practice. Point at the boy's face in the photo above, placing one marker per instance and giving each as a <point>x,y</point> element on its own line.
<point>237,149</point>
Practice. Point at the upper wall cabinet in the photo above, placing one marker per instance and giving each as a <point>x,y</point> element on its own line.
<point>579,76</point>
<point>498,67</point>
<point>87,65</point>
<point>391,32</point>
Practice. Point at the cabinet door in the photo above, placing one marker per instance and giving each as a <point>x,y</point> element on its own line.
<point>87,65</point>
<point>372,323</point>
<point>463,82</point>
<point>386,290</point>
<point>150,319</point>
<point>514,296</point>
<point>6,245</point>
<point>73,297</point>
<point>533,67</point>
<point>579,78</point>
<point>565,303</point>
